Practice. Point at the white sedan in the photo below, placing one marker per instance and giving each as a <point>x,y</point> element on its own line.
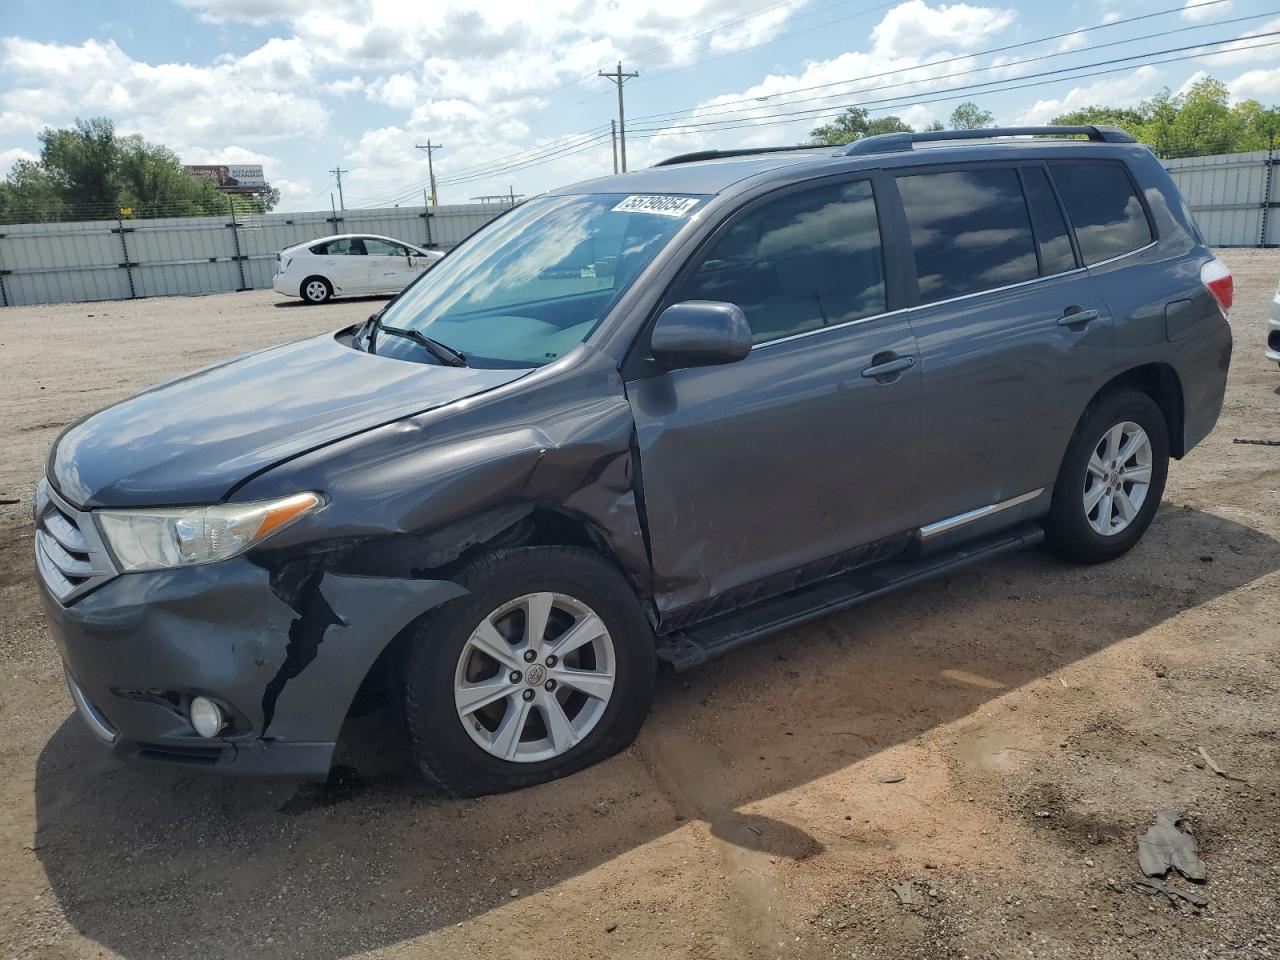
<point>349,265</point>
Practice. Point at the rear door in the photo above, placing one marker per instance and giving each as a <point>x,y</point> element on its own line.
<point>806,449</point>
<point>1007,370</point>
<point>345,266</point>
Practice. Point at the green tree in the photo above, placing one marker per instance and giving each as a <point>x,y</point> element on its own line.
<point>88,172</point>
<point>854,124</point>
<point>969,116</point>
<point>1200,122</point>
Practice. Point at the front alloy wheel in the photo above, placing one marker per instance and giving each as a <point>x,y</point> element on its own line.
<point>534,677</point>
<point>543,667</point>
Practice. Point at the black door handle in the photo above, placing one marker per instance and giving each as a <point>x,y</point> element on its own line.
<point>1076,317</point>
<point>888,368</point>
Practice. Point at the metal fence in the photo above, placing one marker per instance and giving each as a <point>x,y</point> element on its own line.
<point>1234,198</point>
<point>120,259</point>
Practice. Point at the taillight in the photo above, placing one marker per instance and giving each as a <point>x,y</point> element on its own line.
<point>1217,280</point>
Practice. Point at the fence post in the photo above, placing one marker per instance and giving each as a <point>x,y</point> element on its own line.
<point>426,218</point>
<point>4,294</point>
<point>235,237</point>
<point>124,245</point>
<point>1266,191</point>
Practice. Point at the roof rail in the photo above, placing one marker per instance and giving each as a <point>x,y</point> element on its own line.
<point>898,142</point>
<point>895,142</point>
<point>743,152</point>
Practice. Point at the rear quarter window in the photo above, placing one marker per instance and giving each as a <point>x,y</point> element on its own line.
<point>1104,208</point>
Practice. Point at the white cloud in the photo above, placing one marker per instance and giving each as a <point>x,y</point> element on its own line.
<point>19,123</point>
<point>1261,85</point>
<point>1239,50</point>
<point>1072,41</point>
<point>1190,82</point>
<point>172,103</point>
<point>913,28</point>
<point>397,90</point>
<point>1197,11</point>
<point>1123,91</point>
<point>9,157</point>
<point>755,30</point>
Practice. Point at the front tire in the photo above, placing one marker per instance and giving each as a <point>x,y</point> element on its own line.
<point>545,667</point>
<point>316,290</point>
<point>1112,478</point>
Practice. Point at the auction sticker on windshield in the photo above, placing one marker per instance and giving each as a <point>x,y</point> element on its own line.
<point>663,206</point>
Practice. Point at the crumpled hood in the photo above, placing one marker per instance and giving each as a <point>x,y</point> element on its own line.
<point>190,440</point>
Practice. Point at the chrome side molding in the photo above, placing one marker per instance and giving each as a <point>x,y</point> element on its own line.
<point>960,519</point>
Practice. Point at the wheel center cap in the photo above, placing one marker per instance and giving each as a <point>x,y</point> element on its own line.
<point>535,675</point>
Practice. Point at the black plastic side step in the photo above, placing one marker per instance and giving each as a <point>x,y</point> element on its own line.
<point>691,648</point>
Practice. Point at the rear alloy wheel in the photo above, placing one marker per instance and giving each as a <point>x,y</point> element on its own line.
<point>1118,479</point>
<point>316,290</point>
<point>545,666</point>
<point>1111,479</point>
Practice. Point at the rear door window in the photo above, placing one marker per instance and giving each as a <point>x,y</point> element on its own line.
<point>342,247</point>
<point>1104,209</point>
<point>802,262</point>
<point>969,229</point>
<point>1056,255</point>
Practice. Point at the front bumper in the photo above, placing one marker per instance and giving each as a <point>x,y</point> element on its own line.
<point>138,648</point>
<point>1273,331</point>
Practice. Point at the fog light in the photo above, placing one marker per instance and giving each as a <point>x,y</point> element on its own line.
<point>205,717</point>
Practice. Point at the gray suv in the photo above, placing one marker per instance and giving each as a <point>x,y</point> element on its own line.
<point>640,420</point>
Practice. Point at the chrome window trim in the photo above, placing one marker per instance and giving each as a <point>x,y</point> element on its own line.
<point>1121,256</point>
<point>960,519</point>
<point>935,303</point>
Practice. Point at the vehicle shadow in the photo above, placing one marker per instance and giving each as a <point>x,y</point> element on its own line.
<point>292,302</point>
<point>251,869</point>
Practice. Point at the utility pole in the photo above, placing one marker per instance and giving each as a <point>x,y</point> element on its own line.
<point>619,78</point>
<point>613,135</point>
<point>431,148</point>
<point>338,172</point>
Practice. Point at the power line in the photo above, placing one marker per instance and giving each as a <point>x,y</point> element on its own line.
<point>982,53</point>
<point>773,119</point>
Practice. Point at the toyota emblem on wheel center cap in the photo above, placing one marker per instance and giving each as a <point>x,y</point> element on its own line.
<point>537,673</point>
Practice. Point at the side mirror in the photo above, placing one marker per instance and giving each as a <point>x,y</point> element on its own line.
<point>700,333</point>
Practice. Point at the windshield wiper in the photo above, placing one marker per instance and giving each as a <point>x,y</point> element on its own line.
<point>441,351</point>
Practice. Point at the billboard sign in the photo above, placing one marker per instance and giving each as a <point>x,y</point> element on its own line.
<point>232,177</point>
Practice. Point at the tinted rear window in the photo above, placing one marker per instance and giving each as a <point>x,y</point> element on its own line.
<point>1104,208</point>
<point>1056,255</point>
<point>969,229</point>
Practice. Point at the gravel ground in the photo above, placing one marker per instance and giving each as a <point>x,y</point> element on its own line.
<point>1040,714</point>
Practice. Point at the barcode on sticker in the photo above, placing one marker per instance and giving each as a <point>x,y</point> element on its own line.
<point>663,206</point>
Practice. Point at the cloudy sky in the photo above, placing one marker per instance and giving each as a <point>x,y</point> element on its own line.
<point>511,89</point>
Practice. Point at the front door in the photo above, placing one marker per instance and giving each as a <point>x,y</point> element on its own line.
<point>389,269</point>
<point>806,449</point>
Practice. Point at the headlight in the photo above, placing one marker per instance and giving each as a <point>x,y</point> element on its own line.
<point>181,536</point>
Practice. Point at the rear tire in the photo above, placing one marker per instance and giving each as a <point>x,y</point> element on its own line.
<point>316,290</point>
<point>537,721</point>
<point>1111,479</point>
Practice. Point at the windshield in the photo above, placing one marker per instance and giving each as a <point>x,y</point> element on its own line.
<point>532,285</point>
